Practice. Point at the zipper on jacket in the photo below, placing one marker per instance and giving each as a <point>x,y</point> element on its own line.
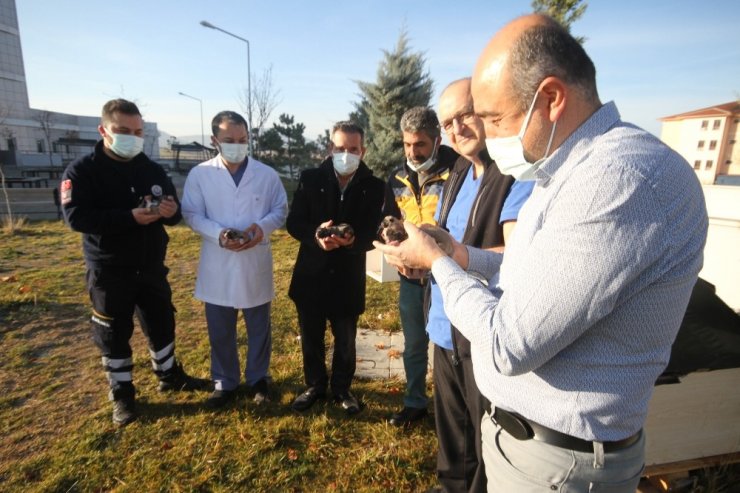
<point>477,203</point>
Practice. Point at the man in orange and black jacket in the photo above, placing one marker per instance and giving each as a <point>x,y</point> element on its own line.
<point>412,193</point>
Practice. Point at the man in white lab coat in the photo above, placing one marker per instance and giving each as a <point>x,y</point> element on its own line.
<point>235,202</point>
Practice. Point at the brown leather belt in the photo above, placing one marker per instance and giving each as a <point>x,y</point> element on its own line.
<point>521,428</point>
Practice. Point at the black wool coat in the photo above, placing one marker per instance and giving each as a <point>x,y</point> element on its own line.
<point>333,283</point>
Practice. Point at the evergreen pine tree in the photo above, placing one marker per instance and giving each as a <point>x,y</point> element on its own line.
<point>566,12</point>
<point>402,83</point>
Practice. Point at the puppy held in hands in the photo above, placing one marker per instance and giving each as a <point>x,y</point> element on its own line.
<point>392,232</point>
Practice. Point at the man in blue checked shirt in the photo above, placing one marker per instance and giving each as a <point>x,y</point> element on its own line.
<point>595,279</point>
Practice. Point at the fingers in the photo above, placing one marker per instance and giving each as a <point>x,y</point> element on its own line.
<point>168,207</point>
<point>144,216</point>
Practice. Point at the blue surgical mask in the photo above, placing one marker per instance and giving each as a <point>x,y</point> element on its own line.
<point>125,146</point>
<point>345,163</point>
<point>508,152</point>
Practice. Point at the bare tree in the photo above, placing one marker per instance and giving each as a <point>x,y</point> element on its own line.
<point>264,101</point>
<point>46,120</point>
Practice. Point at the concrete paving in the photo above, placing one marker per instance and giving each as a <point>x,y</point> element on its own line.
<point>380,355</point>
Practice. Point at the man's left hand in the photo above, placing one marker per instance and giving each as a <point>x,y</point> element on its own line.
<point>167,207</point>
<point>254,232</point>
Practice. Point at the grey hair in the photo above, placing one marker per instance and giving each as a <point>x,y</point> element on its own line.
<point>349,127</point>
<point>549,50</point>
<point>421,119</point>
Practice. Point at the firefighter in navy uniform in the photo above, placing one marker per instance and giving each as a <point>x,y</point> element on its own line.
<point>120,201</point>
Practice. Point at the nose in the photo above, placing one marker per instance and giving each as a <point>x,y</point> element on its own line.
<point>456,126</point>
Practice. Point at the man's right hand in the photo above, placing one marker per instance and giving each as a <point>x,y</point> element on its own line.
<point>330,242</point>
<point>144,216</point>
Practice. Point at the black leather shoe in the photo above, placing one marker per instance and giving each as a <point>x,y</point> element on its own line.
<point>349,402</point>
<point>176,379</point>
<point>219,398</point>
<point>408,415</point>
<point>307,399</point>
<point>124,411</point>
<point>260,391</point>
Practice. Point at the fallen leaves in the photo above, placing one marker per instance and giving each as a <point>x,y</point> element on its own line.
<point>10,278</point>
<point>379,345</point>
<point>394,354</point>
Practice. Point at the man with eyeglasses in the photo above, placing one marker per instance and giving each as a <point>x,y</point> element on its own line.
<point>479,207</point>
<point>595,281</point>
<point>412,193</point>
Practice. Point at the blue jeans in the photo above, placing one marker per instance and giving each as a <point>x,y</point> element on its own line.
<point>532,466</point>
<point>416,343</point>
<point>225,366</point>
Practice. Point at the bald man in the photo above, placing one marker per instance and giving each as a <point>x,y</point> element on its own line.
<point>596,277</point>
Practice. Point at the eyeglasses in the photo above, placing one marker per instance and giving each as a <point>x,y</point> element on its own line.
<point>462,119</point>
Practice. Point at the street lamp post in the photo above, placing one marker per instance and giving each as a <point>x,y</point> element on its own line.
<point>202,134</point>
<point>249,77</point>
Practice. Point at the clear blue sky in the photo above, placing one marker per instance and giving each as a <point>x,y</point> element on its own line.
<point>654,58</point>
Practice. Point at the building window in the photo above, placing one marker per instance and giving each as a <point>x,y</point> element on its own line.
<point>716,124</point>
<point>709,164</point>
<point>40,146</point>
<point>704,124</point>
<point>712,145</point>
<point>701,145</point>
<point>697,164</point>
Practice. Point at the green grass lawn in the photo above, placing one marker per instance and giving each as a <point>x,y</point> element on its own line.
<point>55,428</point>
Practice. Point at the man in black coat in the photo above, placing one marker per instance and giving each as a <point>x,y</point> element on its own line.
<point>328,280</point>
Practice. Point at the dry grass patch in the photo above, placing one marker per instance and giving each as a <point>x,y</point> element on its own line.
<point>55,419</point>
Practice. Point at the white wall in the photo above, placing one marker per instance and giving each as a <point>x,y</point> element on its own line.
<point>722,252</point>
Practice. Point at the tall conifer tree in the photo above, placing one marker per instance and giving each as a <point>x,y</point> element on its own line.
<point>402,83</point>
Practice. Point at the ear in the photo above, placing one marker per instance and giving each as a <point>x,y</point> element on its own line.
<point>556,94</point>
<point>101,130</point>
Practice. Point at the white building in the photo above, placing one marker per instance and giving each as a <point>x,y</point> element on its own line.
<point>708,139</point>
<point>32,137</point>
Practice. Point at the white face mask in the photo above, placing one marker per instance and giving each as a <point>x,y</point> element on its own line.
<point>125,146</point>
<point>233,153</point>
<point>420,168</point>
<point>508,152</point>
<point>345,163</point>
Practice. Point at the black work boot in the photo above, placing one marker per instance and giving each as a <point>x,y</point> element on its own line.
<point>124,406</point>
<point>175,379</point>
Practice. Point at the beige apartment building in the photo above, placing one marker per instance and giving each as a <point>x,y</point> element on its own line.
<point>708,139</point>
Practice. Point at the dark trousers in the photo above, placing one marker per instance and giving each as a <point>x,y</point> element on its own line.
<point>313,331</point>
<point>116,294</point>
<point>458,410</point>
